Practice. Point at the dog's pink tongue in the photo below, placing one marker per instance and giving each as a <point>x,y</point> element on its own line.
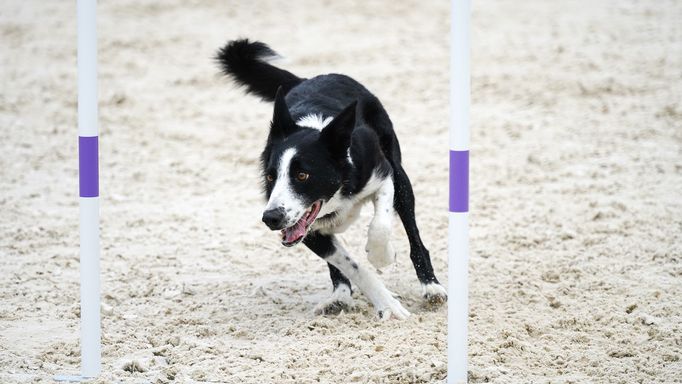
<point>294,232</point>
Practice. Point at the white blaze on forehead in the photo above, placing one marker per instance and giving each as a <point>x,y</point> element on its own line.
<point>283,195</point>
<point>314,121</point>
<point>317,121</point>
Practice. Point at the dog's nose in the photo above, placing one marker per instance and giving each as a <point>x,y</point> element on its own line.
<point>274,218</point>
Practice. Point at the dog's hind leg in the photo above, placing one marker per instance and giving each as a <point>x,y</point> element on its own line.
<point>328,248</point>
<point>433,292</point>
<point>340,299</point>
<point>338,278</point>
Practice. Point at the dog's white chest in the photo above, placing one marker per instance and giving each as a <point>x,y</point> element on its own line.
<point>346,210</point>
<point>340,220</point>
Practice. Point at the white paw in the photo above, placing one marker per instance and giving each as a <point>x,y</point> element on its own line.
<point>340,300</point>
<point>380,253</point>
<point>388,306</point>
<point>434,294</point>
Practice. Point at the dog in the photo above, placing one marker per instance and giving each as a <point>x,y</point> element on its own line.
<point>330,149</point>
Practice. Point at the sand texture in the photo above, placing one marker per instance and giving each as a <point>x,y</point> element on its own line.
<point>576,193</point>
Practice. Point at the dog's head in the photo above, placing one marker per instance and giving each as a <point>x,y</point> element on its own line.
<point>302,169</point>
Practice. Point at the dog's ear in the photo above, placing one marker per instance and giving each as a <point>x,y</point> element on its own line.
<point>282,124</point>
<point>337,134</point>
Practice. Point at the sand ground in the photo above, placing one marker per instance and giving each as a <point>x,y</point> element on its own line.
<point>576,167</point>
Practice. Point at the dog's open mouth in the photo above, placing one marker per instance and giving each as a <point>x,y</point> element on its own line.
<point>294,234</point>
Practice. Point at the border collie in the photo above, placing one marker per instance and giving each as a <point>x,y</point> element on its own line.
<point>330,149</point>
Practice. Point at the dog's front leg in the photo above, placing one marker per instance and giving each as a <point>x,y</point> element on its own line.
<point>379,249</point>
<point>329,248</point>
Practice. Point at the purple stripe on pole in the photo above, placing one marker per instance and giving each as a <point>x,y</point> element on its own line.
<point>88,170</point>
<point>459,181</point>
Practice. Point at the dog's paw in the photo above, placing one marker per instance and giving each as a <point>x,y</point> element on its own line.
<point>380,254</point>
<point>389,307</point>
<point>329,307</point>
<point>434,294</point>
<point>339,301</point>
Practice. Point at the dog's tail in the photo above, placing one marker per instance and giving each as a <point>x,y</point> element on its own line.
<point>247,63</point>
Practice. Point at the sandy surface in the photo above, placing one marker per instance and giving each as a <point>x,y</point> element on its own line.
<point>576,194</point>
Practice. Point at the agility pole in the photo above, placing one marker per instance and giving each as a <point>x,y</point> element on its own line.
<point>458,225</point>
<point>88,178</point>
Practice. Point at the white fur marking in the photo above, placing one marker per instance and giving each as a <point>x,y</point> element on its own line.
<point>283,195</point>
<point>314,120</point>
<point>350,159</point>
<point>434,290</point>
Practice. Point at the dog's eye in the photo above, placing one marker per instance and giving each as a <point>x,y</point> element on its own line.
<point>302,176</point>
<point>270,178</point>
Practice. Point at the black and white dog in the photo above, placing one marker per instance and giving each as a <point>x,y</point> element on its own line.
<point>330,149</point>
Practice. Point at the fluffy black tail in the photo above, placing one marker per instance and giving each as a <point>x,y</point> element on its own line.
<point>246,62</point>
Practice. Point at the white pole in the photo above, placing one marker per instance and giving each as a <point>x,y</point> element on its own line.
<point>89,189</point>
<point>458,229</point>
<point>88,180</point>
